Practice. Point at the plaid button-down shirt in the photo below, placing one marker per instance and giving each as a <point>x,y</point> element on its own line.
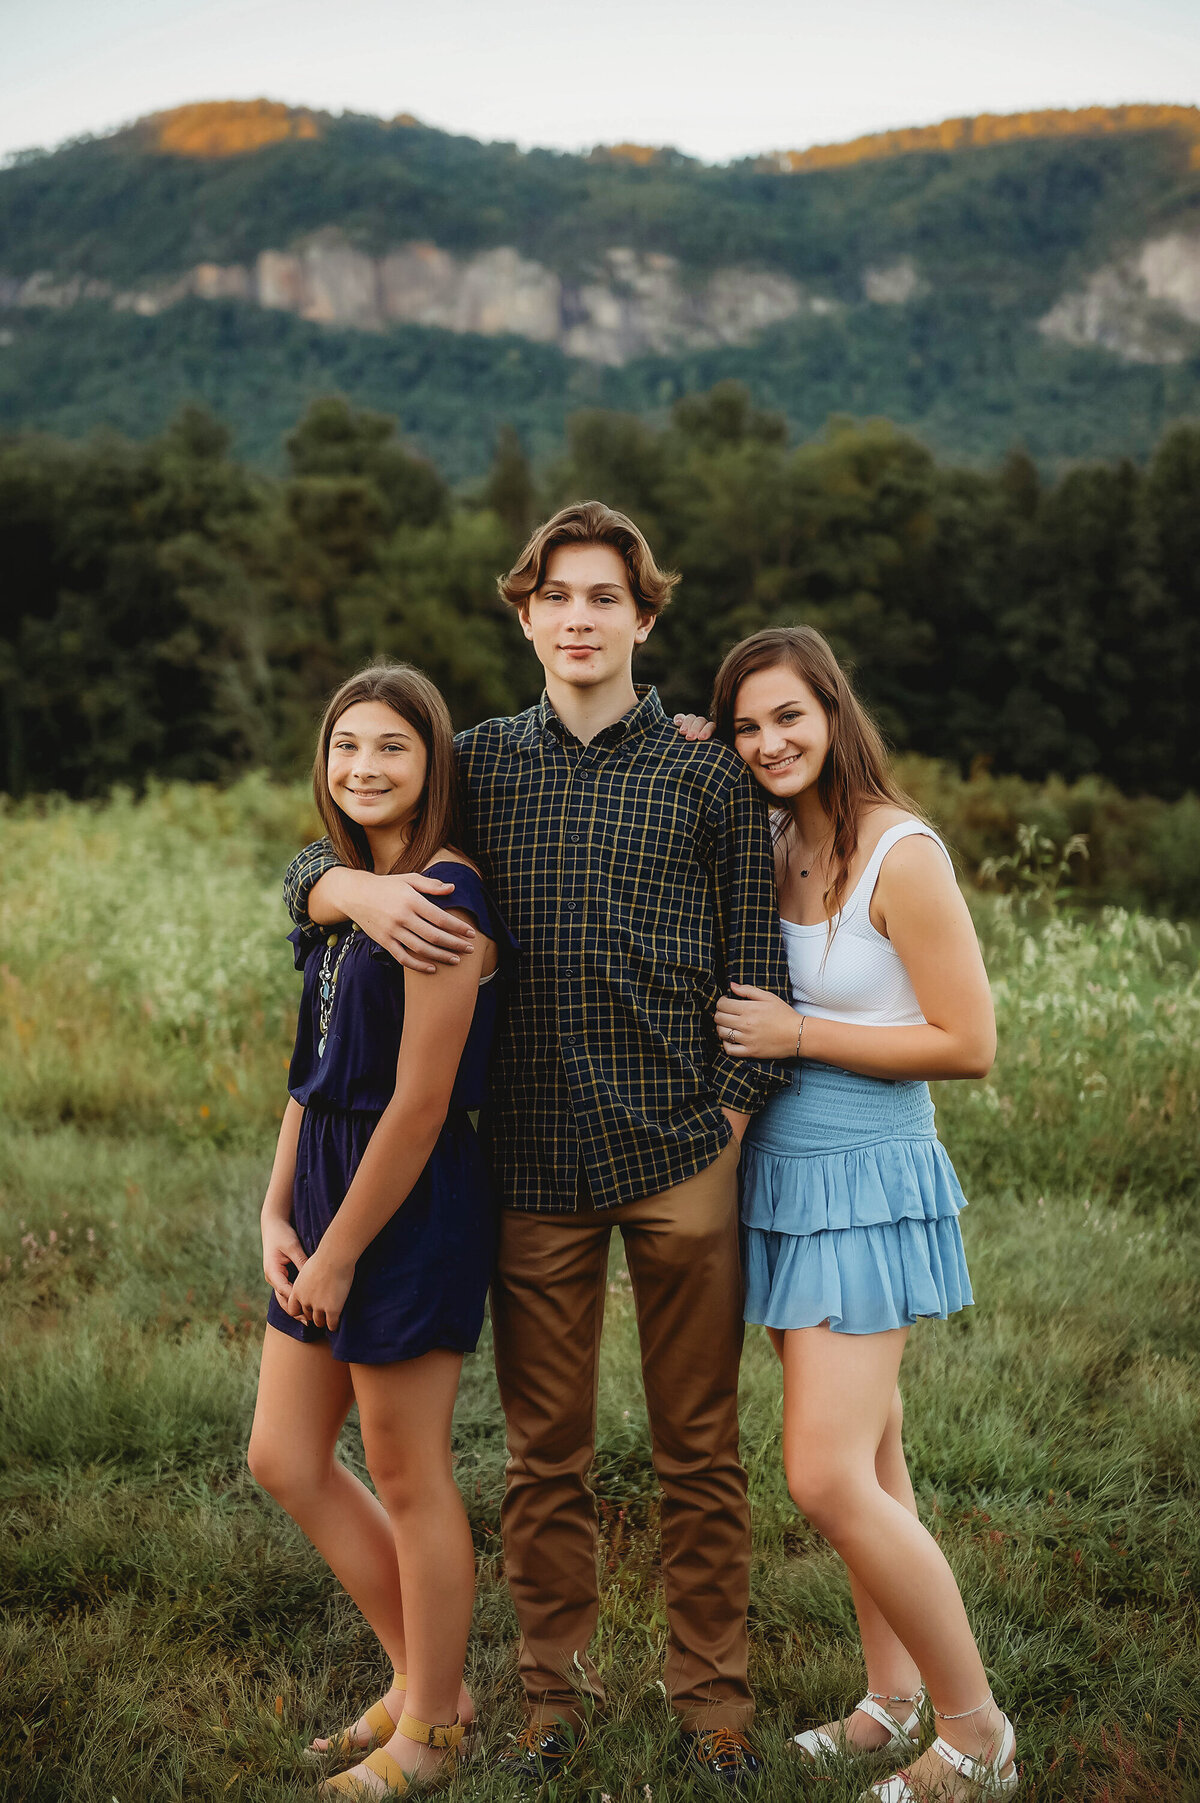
<point>636,872</point>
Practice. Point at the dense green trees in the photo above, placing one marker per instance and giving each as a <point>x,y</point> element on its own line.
<point>170,612</point>
<point>968,374</point>
<point>138,627</point>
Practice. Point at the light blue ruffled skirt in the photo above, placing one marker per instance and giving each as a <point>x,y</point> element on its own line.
<point>850,1207</point>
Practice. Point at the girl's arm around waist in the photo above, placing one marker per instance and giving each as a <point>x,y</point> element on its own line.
<point>918,907</point>
<point>437,1018</point>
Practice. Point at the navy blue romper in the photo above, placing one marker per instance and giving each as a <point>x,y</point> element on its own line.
<point>422,1282</point>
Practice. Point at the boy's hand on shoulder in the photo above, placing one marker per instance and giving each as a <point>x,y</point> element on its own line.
<point>320,1290</point>
<point>401,914</point>
<point>694,727</point>
<point>753,1023</point>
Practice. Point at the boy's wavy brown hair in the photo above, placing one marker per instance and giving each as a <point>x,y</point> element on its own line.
<point>438,822</point>
<point>590,523</point>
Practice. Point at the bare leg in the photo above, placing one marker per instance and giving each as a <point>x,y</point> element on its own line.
<point>304,1396</point>
<point>891,1670</point>
<point>405,1411</point>
<point>839,1392</point>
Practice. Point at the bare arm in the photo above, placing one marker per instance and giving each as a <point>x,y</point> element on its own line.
<point>917,905</point>
<point>281,1246</point>
<point>437,1019</point>
<point>738,1121</point>
<point>397,912</point>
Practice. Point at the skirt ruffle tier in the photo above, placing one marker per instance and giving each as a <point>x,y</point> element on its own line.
<point>850,1207</point>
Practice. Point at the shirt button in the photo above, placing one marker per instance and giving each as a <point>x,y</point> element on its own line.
<point>571,907</point>
<point>568,973</point>
<point>570,1039</point>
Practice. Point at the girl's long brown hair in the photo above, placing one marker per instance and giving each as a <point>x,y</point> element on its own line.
<point>856,768</point>
<point>438,820</point>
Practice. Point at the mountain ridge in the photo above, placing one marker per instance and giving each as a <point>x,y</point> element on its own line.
<point>943,271</point>
<point>979,130</point>
<point>221,128</point>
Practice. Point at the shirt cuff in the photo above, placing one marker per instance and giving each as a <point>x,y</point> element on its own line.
<point>304,872</point>
<point>745,1085</point>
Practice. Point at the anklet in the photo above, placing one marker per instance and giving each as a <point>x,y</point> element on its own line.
<point>964,1713</point>
<point>880,1696</point>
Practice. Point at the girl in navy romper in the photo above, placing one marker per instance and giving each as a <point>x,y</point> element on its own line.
<point>378,1229</point>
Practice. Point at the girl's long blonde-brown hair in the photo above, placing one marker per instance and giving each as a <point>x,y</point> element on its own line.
<point>438,820</point>
<point>856,768</point>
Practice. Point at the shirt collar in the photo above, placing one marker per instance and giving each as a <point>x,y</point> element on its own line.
<point>645,716</point>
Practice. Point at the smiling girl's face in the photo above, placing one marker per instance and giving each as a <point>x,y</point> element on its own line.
<point>781,731</point>
<point>377,767</point>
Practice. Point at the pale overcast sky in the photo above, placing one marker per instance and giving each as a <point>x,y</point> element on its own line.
<point>717,78</point>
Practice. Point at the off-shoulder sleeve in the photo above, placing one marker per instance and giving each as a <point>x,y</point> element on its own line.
<point>471,895</point>
<point>304,940</point>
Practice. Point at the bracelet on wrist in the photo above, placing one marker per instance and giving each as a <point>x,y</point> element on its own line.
<point>799,1036</point>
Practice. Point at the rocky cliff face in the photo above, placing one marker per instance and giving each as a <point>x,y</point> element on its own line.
<point>1144,308</point>
<point>635,303</point>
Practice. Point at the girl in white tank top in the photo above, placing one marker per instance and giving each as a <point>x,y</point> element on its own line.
<point>857,975</point>
<point>850,1203</point>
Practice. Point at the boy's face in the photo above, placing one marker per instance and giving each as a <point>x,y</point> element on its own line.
<point>583,621</point>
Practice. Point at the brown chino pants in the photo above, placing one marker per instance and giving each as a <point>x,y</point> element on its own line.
<point>681,1248</point>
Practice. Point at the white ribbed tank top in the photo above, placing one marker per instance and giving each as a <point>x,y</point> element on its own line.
<point>862,980</point>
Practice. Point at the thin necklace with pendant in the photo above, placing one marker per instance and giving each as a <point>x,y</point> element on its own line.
<point>812,861</point>
<point>329,975</point>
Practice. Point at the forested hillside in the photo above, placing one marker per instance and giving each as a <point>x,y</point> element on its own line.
<point>136,205</point>
<point>1041,290</point>
<point>172,612</point>
<point>1013,565</point>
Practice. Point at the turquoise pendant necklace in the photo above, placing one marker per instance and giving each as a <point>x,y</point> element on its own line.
<point>330,971</point>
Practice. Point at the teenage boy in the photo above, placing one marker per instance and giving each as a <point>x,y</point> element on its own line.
<point>635,870</point>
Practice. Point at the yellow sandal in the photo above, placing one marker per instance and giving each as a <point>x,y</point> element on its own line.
<point>443,1736</point>
<point>378,1720</point>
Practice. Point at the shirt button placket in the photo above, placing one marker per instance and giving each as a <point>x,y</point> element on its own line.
<point>574,892</point>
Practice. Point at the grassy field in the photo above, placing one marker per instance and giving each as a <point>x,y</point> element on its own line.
<point>166,1633</point>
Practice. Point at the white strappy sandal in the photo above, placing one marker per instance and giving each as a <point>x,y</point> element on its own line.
<point>987,1776</point>
<point>826,1749</point>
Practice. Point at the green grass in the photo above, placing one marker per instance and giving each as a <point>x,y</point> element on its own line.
<point>165,1632</point>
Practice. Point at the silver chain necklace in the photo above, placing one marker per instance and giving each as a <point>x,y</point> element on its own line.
<point>329,974</point>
